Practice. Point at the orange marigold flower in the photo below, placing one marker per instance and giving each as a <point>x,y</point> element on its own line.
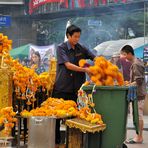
<point>82,62</point>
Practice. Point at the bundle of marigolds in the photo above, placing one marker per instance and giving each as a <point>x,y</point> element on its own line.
<point>60,108</point>
<point>7,118</point>
<point>94,118</point>
<point>104,73</point>
<point>5,44</point>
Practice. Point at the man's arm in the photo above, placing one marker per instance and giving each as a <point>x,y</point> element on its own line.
<point>73,67</point>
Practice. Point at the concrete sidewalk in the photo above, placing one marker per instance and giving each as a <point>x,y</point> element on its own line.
<point>131,133</point>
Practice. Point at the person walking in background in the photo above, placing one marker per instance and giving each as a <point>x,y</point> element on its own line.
<point>69,76</point>
<point>126,65</point>
<point>35,62</point>
<point>137,77</point>
<point>123,65</point>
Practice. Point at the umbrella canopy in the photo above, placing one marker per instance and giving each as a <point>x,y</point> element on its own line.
<point>115,46</point>
<point>20,52</point>
<point>136,42</point>
<point>101,47</point>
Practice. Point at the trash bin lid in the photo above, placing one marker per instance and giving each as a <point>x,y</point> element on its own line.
<point>90,87</point>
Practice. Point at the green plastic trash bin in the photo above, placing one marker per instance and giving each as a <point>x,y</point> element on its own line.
<point>112,104</point>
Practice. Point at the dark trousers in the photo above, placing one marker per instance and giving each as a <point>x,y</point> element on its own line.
<point>65,96</point>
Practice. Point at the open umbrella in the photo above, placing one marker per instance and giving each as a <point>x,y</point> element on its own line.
<point>115,46</point>
<point>20,52</point>
<point>101,47</point>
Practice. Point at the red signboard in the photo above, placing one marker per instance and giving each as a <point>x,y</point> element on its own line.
<point>36,3</point>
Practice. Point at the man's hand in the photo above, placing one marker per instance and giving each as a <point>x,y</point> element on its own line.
<point>73,67</point>
<point>87,70</point>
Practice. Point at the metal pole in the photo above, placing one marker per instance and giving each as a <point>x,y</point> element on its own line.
<point>18,132</point>
<point>144,22</point>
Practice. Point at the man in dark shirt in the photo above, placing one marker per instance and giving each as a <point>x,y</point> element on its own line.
<point>70,76</point>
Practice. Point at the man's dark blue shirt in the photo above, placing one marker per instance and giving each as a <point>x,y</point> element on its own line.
<point>69,81</point>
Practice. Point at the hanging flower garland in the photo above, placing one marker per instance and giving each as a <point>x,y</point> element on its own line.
<point>7,118</point>
<point>26,81</point>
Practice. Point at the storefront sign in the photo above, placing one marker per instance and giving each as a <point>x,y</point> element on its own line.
<point>5,21</point>
<point>36,3</point>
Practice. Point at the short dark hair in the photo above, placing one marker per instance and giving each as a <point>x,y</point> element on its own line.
<point>128,49</point>
<point>72,29</point>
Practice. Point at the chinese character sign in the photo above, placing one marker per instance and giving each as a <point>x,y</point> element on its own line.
<point>5,21</point>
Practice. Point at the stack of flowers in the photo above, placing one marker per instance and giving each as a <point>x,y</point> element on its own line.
<point>60,108</point>
<point>54,107</point>
<point>104,73</point>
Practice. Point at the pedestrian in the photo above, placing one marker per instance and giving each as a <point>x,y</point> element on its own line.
<point>123,65</point>
<point>126,65</point>
<point>69,76</point>
<point>137,77</point>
